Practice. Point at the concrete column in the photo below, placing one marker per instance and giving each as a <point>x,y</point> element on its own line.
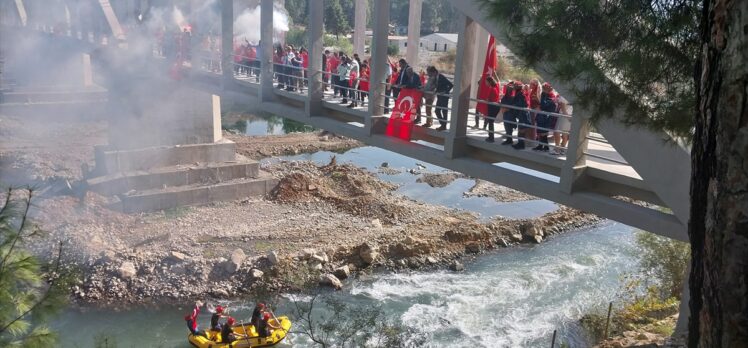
<point>479,59</point>
<point>359,27</point>
<point>414,32</point>
<point>576,161</point>
<point>111,18</point>
<point>21,12</point>
<point>227,42</point>
<point>266,36</point>
<point>378,60</point>
<point>455,142</point>
<point>315,30</point>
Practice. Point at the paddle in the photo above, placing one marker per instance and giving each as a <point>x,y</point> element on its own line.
<point>246,335</point>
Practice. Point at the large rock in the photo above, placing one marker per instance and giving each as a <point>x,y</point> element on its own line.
<point>307,254</point>
<point>256,273</point>
<point>127,270</point>
<point>176,257</point>
<point>368,253</point>
<point>342,272</point>
<point>410,247</point>
<point>473,247</point>
<point>273,258</point>
<point>531,231</point>
<point>331,281</point>
<point>235,262</point>
<point>457,266</point>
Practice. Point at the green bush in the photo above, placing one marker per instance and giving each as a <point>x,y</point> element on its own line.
<point>338,44</point>
<point>297,37</point>
<point>393,50</point>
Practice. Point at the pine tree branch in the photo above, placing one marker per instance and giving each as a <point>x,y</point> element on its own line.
<point>44,298</point>
<point>17,237</point>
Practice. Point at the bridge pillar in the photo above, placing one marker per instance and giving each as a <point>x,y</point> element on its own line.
<point>455,142</point>
<point>414,32</point>
<point>359,27</point>
<point>481,47</point>
<point>21,12</point>
<point>379,61</point>
<point>227,42</point>
<point>576,161</point>
<point>316,50</point>
<point>266,47</point>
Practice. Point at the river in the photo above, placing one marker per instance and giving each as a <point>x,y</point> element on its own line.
<point>514,297</point>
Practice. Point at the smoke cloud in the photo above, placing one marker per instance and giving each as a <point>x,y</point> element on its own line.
<point>247,24</point>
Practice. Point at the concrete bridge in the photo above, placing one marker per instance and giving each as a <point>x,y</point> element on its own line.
<point>631,175</point>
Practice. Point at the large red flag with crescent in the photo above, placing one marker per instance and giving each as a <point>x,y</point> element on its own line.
<point>489,67</point>
<point>401,120</point>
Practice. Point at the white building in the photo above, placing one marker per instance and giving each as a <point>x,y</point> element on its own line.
<point>439,42</point>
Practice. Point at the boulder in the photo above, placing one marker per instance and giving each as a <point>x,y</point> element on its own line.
<point>473,247</point>
<point>431,260</point>
<point>320,257</point>
<point>127,270</point>
<point>531,230</point>
<point>536,239</point>
<point>273,258</point>
<point>376,223</point>
<point>308,253</point>
<point>368,253</point>
<point>412,246</point>
<point>457,266</point>
<point>256,273</point>
<point>342,272</point>
<point>331,281</point>
<point>176,257</point>
<point>235,262</point>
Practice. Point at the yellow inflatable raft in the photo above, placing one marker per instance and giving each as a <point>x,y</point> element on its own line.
<point>246,336</point>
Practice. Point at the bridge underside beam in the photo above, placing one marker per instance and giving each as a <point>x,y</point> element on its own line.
<point>604,205</point>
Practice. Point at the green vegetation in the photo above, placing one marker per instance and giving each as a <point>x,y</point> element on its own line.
<point>650,295</point>
<point>296,36</point>
<point>393,50</point>
<point>335,20</point>
<point>651,59</point>
<point>30,289</point>
<point>338,43</point>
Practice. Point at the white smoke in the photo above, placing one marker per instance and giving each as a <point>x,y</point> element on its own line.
<point>247,24</point>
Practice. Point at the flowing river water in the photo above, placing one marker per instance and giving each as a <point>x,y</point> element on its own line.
<point>513,297</point>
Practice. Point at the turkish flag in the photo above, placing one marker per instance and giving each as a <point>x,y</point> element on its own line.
<point>484,89</point>
<point>401,120</point>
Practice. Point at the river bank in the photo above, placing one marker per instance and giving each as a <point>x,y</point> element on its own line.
<point>321,224</point>
<point>321,220</point>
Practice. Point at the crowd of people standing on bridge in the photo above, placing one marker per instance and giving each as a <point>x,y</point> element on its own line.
<point>535,111</point>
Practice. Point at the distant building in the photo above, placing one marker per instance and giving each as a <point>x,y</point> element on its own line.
<point>439,42</point>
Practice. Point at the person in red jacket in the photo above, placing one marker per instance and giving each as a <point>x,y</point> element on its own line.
<point>492,96</point>
<point>191,320</point>
<point>363,82</point>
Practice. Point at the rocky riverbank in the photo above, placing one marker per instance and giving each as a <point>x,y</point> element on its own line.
<point>320,225</point>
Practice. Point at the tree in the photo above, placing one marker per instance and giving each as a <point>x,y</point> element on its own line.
<point>718,228</point>
<point>297,10</point>
<point>30,291</point>
<point>335,21</point>
<point>678,66</point>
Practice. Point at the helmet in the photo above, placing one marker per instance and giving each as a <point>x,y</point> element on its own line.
<point>219,309</point>
<point>231,321</point>
<point>261,305</point>
<point>266,316</point>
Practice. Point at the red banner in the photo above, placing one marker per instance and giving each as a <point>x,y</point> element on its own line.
<point>405,110</point>
<point>489,66</point>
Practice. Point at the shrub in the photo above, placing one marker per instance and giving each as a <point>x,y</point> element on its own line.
<point>297,37</point>
<point>393,50</point>
<point>339,44</point>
